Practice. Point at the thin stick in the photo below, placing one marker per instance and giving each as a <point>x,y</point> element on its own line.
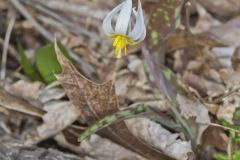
<point>224,127</point>
<point>5,48</point>
<point>28,16</point>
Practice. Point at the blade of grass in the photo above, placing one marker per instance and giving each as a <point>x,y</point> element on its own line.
<point>26,64</point>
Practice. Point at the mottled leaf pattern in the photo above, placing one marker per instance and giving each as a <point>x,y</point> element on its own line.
<point>167,12</point>
<point>129,112</point>
<point>163,21</point>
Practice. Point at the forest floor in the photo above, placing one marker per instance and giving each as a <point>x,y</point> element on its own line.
<point>176,95</point>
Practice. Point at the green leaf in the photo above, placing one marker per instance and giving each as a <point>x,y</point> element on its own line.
<point>26,64</point>
<point>236,155</point>
<point>219,156</point>
<point>47,63</point>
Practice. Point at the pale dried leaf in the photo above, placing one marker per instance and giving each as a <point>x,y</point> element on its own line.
<point>194,109</point>
<point>227,33</point>
<point>224,55</point>
<point>230,104</point>
<point>12,103</point>
<point>26,90</point>
<point>225,8</point>
<point>60,114</point>
<point>205,20</point>
<point>137,87</point>
<point>51,94</point>
<point>160,138</point>
<point>97,147</point>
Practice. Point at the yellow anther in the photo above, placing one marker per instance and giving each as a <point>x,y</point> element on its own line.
<point>120,43</point>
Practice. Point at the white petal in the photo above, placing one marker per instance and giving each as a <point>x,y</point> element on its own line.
<point>107,22</point>
<point>124,18</point>
<point>139,31</point>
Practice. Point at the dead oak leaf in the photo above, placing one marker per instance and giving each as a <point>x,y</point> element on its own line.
<point>95,101</point>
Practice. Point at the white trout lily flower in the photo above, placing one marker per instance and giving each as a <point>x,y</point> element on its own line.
<point>123,32</point>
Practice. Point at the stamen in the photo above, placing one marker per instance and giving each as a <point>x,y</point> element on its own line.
<point>120,43</point>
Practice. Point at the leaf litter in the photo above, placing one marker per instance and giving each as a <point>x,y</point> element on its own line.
<point>196,71</point>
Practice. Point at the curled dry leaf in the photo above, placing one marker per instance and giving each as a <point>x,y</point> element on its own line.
<point>97,147</point>
<point>194,109</point>
<point>227,33</point>
<point>26,90</point>
<point>224,55</point>
<point>12,103</point>
<point>95,101</point>
<point>205,21</point>
<point>60,114</point>
<point>51,94</point>
<point>160,138</point>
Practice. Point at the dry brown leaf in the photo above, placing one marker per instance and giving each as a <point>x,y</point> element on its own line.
<point>180,39</point>
<point>215,136</point>
<point>94,101</point>
<point>195,82</point>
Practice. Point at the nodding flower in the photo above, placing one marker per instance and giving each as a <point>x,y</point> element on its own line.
<point>124,32</point>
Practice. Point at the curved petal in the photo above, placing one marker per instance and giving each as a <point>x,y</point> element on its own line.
<point>124,18</point>
<point>142,36</point>
<point>107,22</point>
<point>139,31</point>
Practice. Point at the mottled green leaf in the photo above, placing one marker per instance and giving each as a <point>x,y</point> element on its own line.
<point>164,20</point>
<point>46,61</point>
<point>111,119</point>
